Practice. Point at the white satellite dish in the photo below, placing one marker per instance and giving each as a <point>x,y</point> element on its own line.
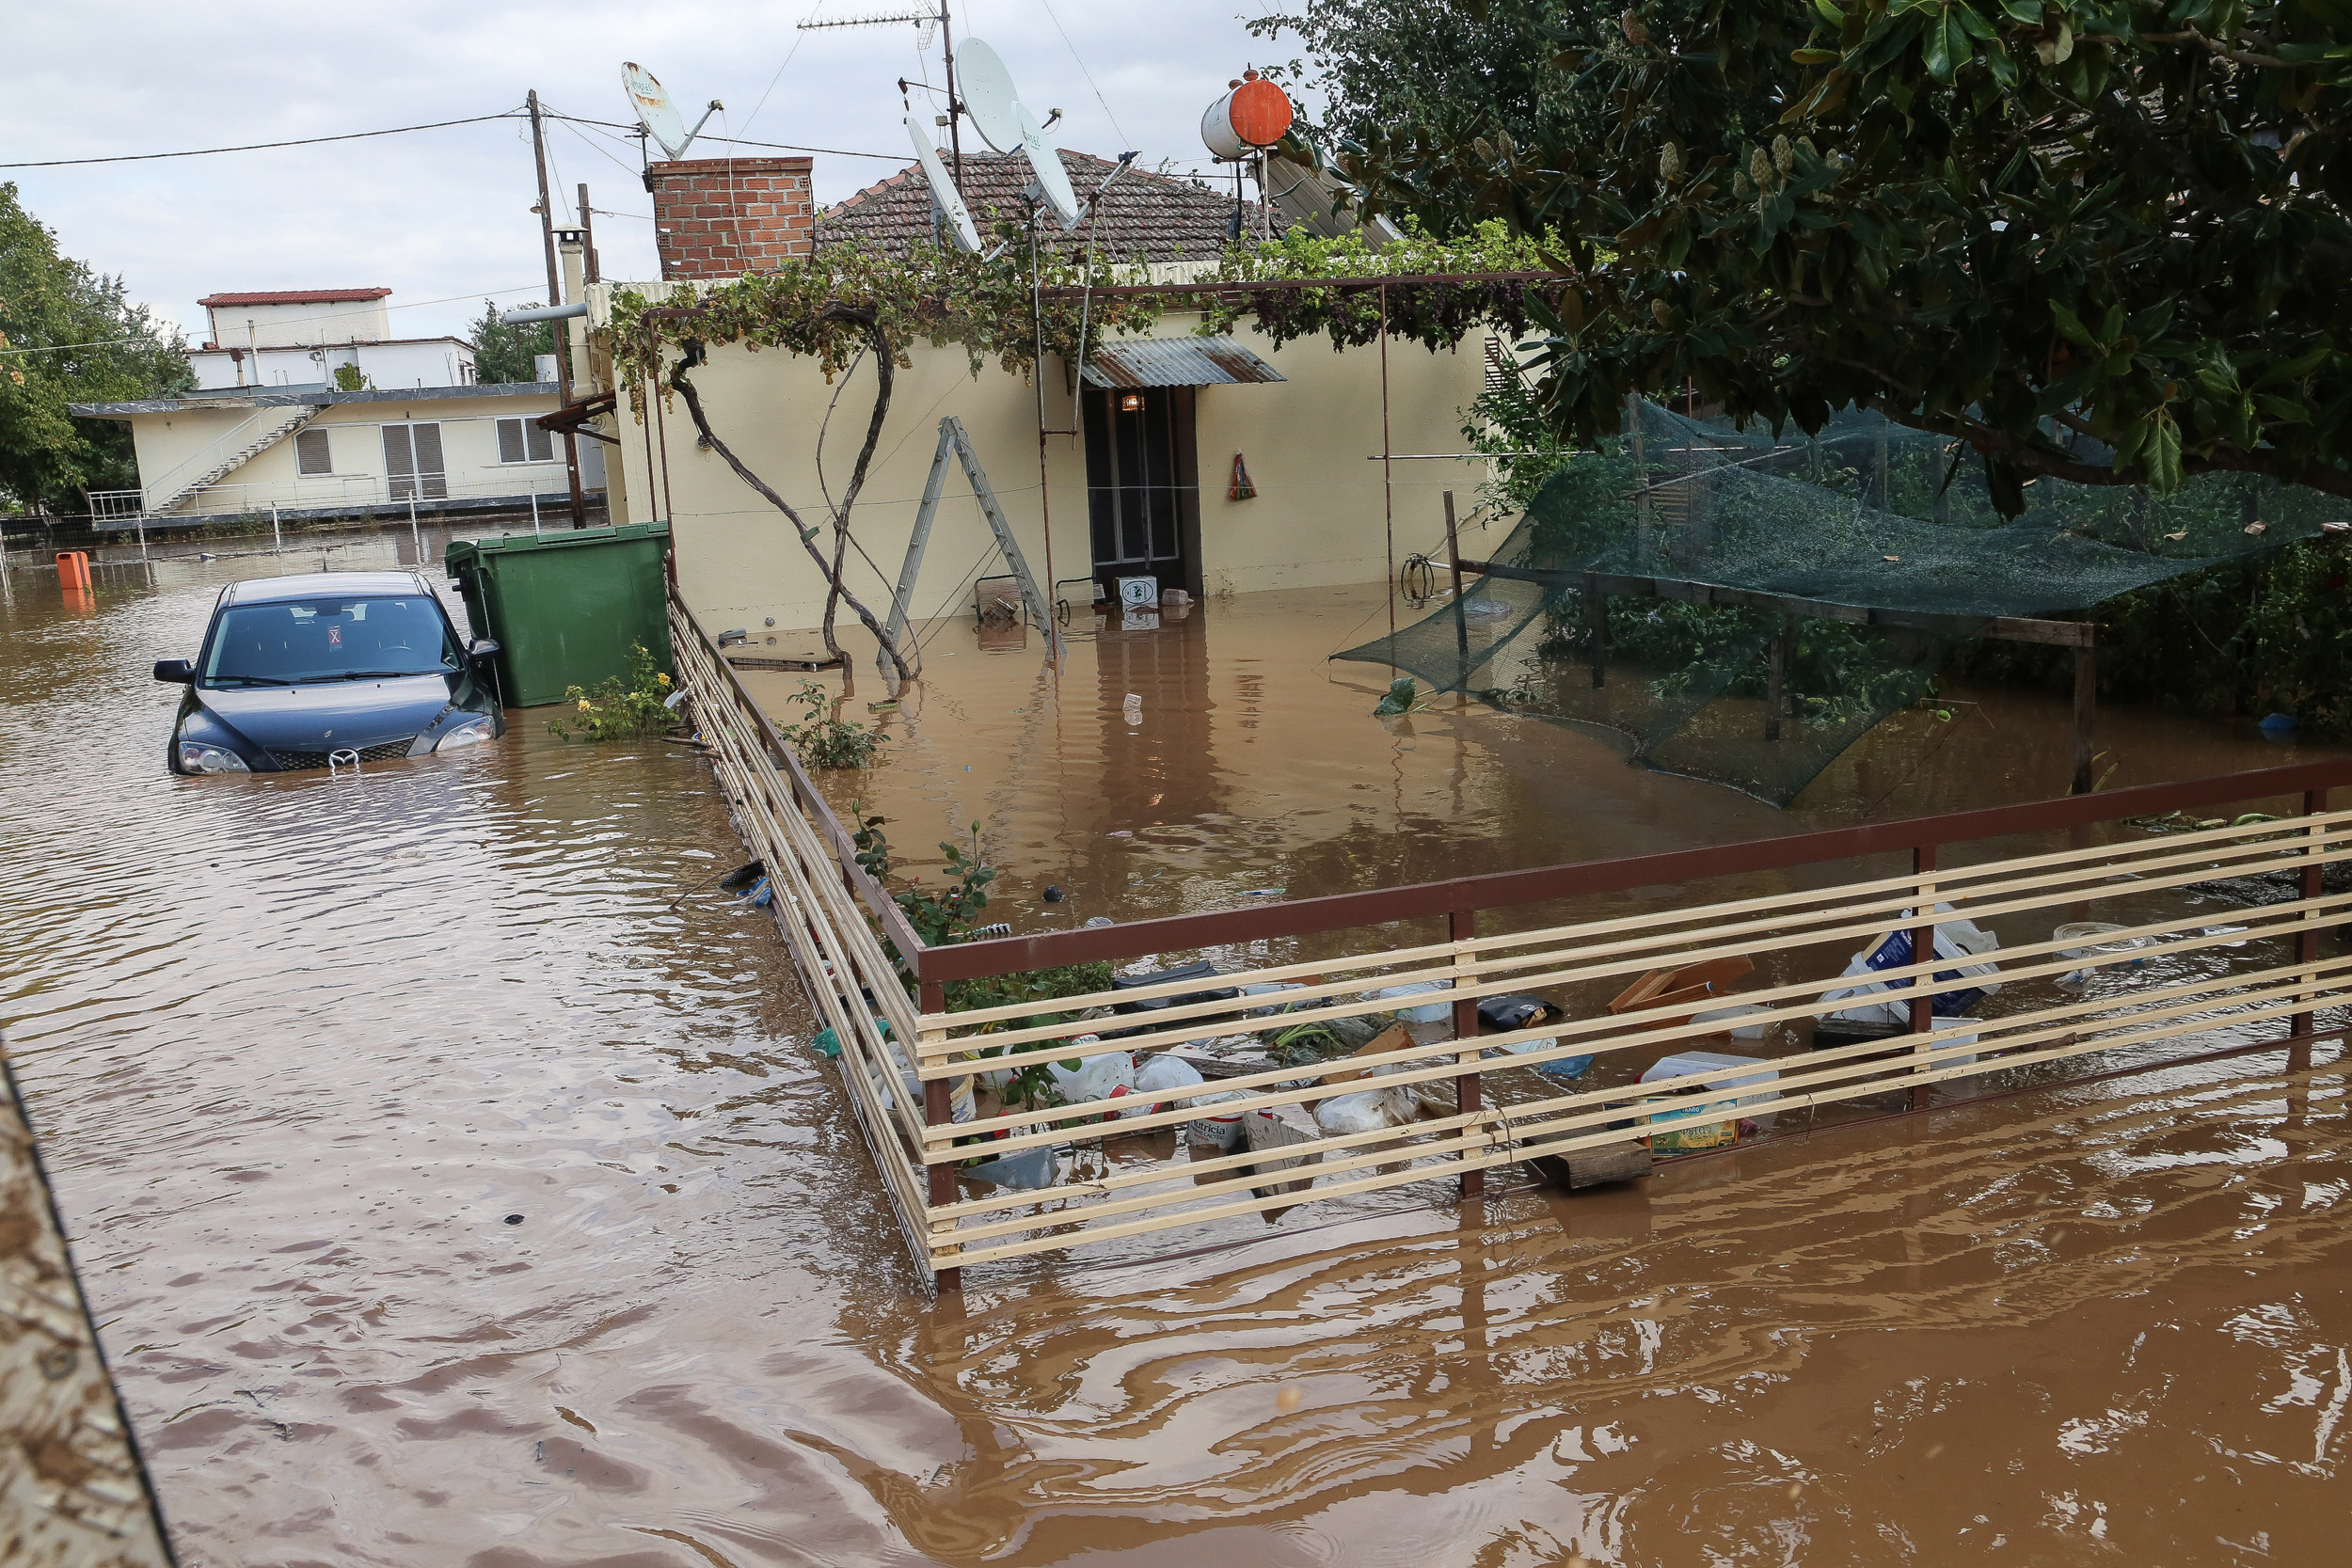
<point>1046,163</point>
<point>657,114</point>
<point>943,193</point>
<point>986,87</point>
<point>1005,122</point>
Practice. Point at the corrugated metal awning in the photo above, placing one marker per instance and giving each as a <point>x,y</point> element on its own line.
<point>1176,362</point>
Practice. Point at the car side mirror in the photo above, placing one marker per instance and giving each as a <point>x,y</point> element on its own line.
<point>176,671</point>
<point>482,647</point>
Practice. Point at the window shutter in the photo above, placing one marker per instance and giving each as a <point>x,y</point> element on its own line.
<point>428,439</point>
<point>542,442</point>
<point>400,462</point>
<point>313,453</point>
<point>510,440</point>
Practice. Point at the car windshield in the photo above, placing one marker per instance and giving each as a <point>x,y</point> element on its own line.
<point>298,642</point>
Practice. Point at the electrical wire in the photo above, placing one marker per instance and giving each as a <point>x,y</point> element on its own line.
<point>738,141</point>
<point>798,36</point>
<point>1084,71</point>
<point>264,146</point>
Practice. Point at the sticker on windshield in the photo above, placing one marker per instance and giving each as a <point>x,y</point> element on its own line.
<point>334,636</point>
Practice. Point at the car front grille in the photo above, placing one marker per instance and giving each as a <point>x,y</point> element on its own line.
<point>289,762</point>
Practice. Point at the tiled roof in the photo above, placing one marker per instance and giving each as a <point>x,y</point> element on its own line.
<point>1142,217</point>
<point>294,296</point>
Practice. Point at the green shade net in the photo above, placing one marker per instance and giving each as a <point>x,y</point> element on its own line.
<point>1867,515</point>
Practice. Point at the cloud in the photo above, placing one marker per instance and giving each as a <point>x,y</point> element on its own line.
<point>441,217</point>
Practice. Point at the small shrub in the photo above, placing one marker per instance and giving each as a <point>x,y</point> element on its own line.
<point>618,711</point>
<point>824,741</point>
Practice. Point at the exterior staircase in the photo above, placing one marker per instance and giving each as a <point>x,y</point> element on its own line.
<point>231,452</point>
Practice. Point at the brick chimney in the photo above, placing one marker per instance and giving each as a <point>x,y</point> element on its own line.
<point>720,217</point>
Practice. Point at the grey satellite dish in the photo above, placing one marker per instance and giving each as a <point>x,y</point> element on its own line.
<point>943,193</point>
<point>986,87</point>
<point>657,114</point>
<point>1046,163</point>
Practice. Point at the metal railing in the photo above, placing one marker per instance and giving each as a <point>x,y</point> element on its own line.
<point>330,492</point>
<point>2262,974</point>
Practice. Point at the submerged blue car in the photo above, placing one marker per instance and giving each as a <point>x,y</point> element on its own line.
<point>336,665</point>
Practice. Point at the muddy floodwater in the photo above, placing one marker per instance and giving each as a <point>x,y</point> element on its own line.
<point>299,1047</point>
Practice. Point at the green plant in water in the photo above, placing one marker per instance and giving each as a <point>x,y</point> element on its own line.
<point>618,710</point>
<point>826,741</point>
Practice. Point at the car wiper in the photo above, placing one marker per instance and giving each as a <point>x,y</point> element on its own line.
<point>252,680</point>
<point>384,674</point>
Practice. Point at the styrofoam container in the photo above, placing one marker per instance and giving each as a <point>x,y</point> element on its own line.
<point>1432,1012</point>
<point>1686,1062</point>
<point>1727,1020</point>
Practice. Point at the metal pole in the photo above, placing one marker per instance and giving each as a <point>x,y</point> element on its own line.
<point>1388,469</point>
<point>534,512</point>
<point>277,535</point>
<point>1454,560</point>
<point>933,998</point>
<point>1461,925</point>
<point>416,540</point>
<point>2086,710</point>
<point>2306,941</point>
<point>955,109</point>
<point>1923,951</point>
<point>555,297</point>
<point>139,522</point>
<point>591,270</point>
<point>1775,681</point>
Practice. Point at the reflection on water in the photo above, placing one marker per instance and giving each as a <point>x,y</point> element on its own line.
<point>300,1047</point>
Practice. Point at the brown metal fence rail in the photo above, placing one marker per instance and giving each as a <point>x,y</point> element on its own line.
<point>2264,970</point>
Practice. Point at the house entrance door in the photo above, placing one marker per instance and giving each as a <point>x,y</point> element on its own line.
<point>412,456</point>
<point>1141,497</point>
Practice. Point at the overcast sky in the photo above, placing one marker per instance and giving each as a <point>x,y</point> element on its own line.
<point>441,217</point>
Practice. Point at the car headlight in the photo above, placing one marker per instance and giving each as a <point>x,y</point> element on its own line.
<point>196,757</point>
<point>471,732</point>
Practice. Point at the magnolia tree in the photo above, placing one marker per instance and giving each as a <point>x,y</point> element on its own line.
<point>2100,241</point>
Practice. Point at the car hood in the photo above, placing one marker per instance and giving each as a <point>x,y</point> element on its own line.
<point>328,715</point>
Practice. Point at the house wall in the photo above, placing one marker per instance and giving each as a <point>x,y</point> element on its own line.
<point>283,325</point>
<point>470,452</point>
<point>416,363</point>
<point>1318,518</point>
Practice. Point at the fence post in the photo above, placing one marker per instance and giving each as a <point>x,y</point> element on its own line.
<point>1462,925</point>
<point>2307,944</point>
<point>1923,951</point>
<point>416,540</point>
<point>933,998</point>
<point>276,537</point>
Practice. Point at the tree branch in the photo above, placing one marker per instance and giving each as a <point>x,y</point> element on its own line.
<point>702,422</point>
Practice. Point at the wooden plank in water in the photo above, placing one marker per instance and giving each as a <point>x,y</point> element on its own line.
<point>1593,1167</point>
<point>74,1492</point>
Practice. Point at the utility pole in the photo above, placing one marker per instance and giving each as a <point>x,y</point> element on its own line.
<point>555,297</point>
<point>588,238</point>
<point>954,108</point>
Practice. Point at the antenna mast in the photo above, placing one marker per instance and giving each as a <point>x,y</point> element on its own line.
<point>947,41</point>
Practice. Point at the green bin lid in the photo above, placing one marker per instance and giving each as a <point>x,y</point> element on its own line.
<point>465,550</point>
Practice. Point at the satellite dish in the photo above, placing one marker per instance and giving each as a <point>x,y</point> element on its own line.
<point>943,193</point>
<point>1046,163</point>
<point>986,89</point>
<point>657,114</point>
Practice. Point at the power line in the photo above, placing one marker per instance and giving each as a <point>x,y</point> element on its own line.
<point>264,146</point>
<point>738,141</point>
<point>1084,71</point>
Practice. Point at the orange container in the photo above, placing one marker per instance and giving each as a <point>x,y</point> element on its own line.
<point>73,571</point>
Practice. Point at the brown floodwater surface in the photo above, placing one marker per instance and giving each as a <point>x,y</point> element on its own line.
<point>297,1047</point>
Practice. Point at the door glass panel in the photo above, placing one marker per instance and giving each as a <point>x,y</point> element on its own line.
<point>427,438</point>
<point>399,462</point>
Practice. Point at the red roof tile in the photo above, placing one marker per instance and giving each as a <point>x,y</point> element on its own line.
<point>294,296</point>
<point>1142,217</point>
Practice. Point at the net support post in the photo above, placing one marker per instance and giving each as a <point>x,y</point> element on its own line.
<point>1454,560</point>
<point>938,1112</point>
<point>1776,681</point>
<point>2307,940</point>
<point>1923,952</point>
<point>2086,711</point>
<point>1462,926</point>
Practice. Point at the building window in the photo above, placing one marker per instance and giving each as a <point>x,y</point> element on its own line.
<point>313,453</point>
<point>523,441</point>
<point>412,456</point>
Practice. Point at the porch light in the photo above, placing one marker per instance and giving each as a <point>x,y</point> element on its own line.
<point>1131,403</point>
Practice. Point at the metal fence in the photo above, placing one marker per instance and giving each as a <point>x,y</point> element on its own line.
<point>1481,1107</point>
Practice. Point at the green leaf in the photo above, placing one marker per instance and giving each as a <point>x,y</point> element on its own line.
<point>2027,11</point>
<point>2071,324</point>
<point>2162,454</point>
<point>1829,13</point>
<point>1936,49</point>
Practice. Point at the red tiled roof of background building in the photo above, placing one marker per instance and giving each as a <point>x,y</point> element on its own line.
<point>1142,217</point>
<point>292,296</point>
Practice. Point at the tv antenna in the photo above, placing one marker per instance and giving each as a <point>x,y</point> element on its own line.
<point>657,114</point>
<point>946,39</point>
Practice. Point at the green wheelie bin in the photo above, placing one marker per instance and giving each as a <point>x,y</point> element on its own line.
<point>564,608</point>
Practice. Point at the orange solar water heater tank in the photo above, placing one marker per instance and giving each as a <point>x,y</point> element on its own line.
<point>74,574</point>
<point>1253,114</point>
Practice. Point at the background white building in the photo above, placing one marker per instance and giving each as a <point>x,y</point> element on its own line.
<point>295,337</point>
